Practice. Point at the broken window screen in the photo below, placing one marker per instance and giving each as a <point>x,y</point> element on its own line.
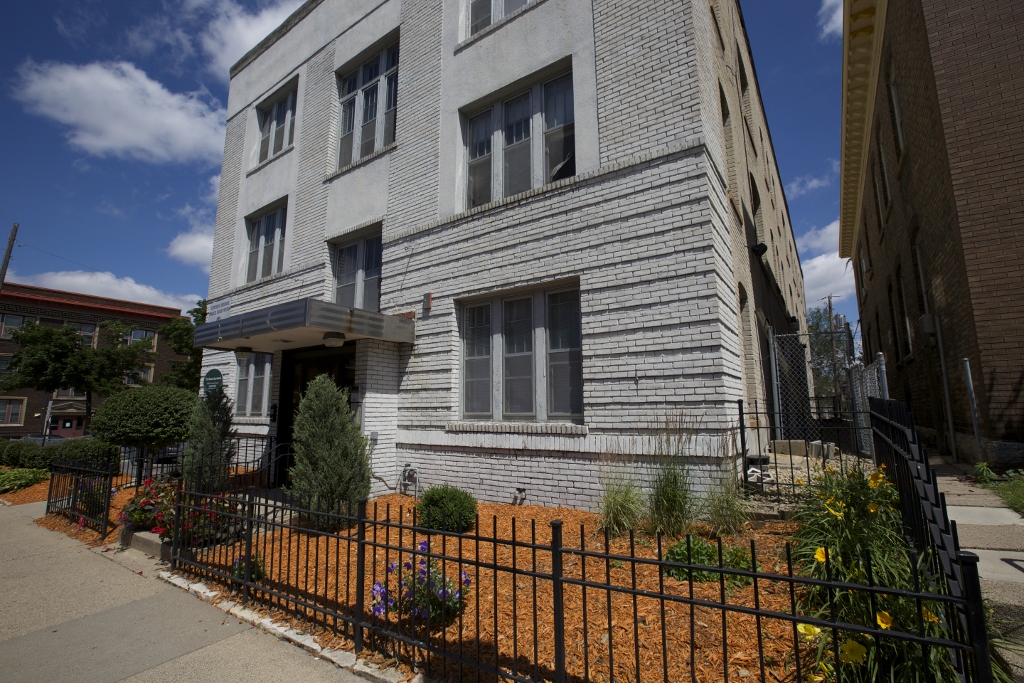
<point>517,169</point>
<point>565,355</point>
<point>559,129</point>
<point>480,159</point>
<point>518,370</point>
<point>478,361</point>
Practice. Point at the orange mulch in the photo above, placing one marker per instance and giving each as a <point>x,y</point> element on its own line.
<point>500,624</point>
<point>91,537</point>
<point>32,494</point>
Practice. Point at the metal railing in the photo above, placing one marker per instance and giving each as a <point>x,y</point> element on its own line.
<point>81,492</point>
<point>166,462</point>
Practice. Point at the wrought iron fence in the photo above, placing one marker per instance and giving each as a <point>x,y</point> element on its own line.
<point>81,492</point>
<point>520,601</point>
<point>167,462</point>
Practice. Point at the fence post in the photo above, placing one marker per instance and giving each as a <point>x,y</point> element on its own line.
<point>178,513</point>
<point>247,577</point>
<point>559,602</point>
<point>743,445</point>
<point>357,636</point>
<point>108,489</point>
<point>976,616</point>
<point>49,490</point>
<point>883,381</point>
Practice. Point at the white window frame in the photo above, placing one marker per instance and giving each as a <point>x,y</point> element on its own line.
<point>359,289</point>
<point>354,85</point>
<point>273,116</point>
<point>538,133</point>
<point>243,404</point>
<point>257,244</point>
<point>5,420</point>
<point>540,365</point>
<point>499,9</point>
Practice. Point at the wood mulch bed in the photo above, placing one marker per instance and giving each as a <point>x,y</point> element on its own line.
<point>609,635</point>
<point>33,494</point>
<point>91,537</point>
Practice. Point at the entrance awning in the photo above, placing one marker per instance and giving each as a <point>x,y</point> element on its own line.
<point>300,324</point>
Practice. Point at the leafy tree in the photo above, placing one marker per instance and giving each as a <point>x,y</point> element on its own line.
<point>820,339</point>
<point>50,358</point>
<point>150,415</point>
<point>180,334</point>
<point>332,457</point>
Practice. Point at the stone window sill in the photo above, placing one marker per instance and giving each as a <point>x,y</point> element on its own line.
<point>356,164</point>
<point>541,428</point>
<point>263,164</point>
<point>252,421</point>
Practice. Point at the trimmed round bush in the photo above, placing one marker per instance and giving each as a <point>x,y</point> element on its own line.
<point>27,454</point>
<point>446,508</point>
<point>150,415</point>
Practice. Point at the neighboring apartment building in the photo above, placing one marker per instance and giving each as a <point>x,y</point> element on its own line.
<point>933,209</point>
<point>520,232</point>
<point>23,412</point>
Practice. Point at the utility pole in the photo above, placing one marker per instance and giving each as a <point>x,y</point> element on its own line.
<point>835,362</point>
<point>7,255</point>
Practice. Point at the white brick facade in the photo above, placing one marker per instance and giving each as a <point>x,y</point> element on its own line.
<point>653,229</point>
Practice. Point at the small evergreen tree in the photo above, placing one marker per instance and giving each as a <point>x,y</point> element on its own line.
<point>332,457</point>
<point>210,447</point>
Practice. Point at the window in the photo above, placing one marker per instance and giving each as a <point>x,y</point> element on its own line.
<point>9,323</point>
<point>369,95</point>
<point>88,332</point>
<point>69,393</point>
<point>12,411</point>
<point>143,375</point>
<point>895,117</point>
<point>136,336</point>
<point>277,125</point>
<point>266,245</point>
<point>5,365</point>
<point>537,340</point>
<point>878,203</point>
<point>520,163</point>
<point>482,13</point>
<point>359,266</point>
<point>886,190</point>
<point>904,318</point>
<point>253,385</point>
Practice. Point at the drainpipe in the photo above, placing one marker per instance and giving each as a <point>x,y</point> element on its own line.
<point>974,411</point>
<point>945,389</point>
<point>883,383</point>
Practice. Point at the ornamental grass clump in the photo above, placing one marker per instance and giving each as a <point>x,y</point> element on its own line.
<point>622,503</point>
<point>421,592</point>
<point>446,508</point>
<point>671,505</point>
<point>851,532</point>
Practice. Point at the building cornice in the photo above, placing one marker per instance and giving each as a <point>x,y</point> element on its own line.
<point>863,34</point>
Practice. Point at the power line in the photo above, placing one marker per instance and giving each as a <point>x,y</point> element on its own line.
<point>50,253</point>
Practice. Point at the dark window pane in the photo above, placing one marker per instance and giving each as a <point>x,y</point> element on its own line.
<point>565,383</point>
<point>280,238</point>
<point>512,5</point>
<point>518,173</point>
<point>349,84</point>
<point>269,227</point>
<point>478,331</point>
<point>280,119</point>
<point>346,295</point>
<point>372,257</point>
<point>255,233</point>
<point>291,116</point>
<point>517,119</point>
<point>479,15</point>
<point>392,58</point>
<point>480,182</point>
<point>518,367</point>
<point>560,151</point>
<point>390,109</point>
<point>480,135</point>
<point>564,321</point>
<point>478,360</point>
<point>371,294</point>
<point>265,125</point>
<point>558,103</point>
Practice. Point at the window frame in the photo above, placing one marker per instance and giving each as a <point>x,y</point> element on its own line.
<point>498,10</point>
<point>538,135</point>
<point>360,244</point>
<point>255,228</point>
<point>5,419</point>
<point>267,125</point>
<point>895,113</point>
<point>243,408</point>
<point>4,334</point>
<point>541,361</point>
<point>354,86</point>
<point>91,338</point>
<point>146,373</point>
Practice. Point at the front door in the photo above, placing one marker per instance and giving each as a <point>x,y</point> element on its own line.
<point>299,368</point>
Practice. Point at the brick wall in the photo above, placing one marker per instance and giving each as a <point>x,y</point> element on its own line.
<point>227,207</point>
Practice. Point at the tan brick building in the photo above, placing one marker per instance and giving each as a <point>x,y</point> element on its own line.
<point>932,208</point>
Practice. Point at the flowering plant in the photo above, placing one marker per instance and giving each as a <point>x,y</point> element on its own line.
<point>256,572</point>
<point>152,507</point>
<point>421,591</point>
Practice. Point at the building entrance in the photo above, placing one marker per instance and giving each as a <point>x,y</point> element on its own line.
<point>299,368</point>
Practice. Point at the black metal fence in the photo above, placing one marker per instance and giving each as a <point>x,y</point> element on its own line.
<point>518,600</point>
<point>167,462</point>
<point>81,492</point>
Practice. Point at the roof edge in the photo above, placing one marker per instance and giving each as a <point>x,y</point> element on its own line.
<point>294,18</point>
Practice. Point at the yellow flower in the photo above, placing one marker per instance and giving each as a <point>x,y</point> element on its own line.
<point>799,480</point>
<point>819,554</point>
<point>884,619</point>
<point>815,678</point>
<point>852,652</point>
<point>808,631</point>
<point>873,508</point>
<point>875,479</point>
<point>839,515</point>
<point>929,616</point>
<point>829,469</point>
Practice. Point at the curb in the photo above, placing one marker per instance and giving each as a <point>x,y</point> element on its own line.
<point>343,659</point>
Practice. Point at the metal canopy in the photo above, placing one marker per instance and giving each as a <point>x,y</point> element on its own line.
<point>299,324</point>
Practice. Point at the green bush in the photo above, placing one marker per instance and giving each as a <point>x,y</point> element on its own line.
<point>150,507</point>
<point>622,502</point>
<point>3,453</point>
<point>671,502</point>
<point>93,452</point>
<point>446,508</point>
<point>27,454</point>
<point>150,415</point>
<point>704,553</point>
<point>332,457</point>
<point>17,479</point>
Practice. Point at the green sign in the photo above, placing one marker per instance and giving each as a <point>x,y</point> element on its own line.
<point>213,381</point>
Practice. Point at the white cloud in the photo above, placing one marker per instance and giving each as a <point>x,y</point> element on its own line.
<point>808,183</point>
<point>108,285</point>
<point>819,240</point>
<point>830,19</point>
<point>827,274</point>
<point>157,34</point>
<point>194,247</point>
<point>213,191</point>
<point>115,109</point>
<point>234,31</point>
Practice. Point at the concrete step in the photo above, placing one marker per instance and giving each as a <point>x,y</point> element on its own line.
<point>145,542</point>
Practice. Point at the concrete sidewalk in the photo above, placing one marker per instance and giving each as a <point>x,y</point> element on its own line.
<point>71,613</point>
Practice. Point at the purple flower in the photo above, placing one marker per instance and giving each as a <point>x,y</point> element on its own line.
<point>466,581</point>
<point>378,591</point>
<point>391,567</point>
<point>424,546</point>
<point>408,566</point>
<point>378,609</point>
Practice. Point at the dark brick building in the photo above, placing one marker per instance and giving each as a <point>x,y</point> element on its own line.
<point>933,209</point>
<point>24,411</point>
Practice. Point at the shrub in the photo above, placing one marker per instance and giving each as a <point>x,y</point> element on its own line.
<point>446,508</point>
<point>3,453</point>
<point>421,591</point>
<point>622,503</point>
<point>256,572</point>
<point>210,447</point>
<point>698,551</point>
<point>671,502</point>
<point>151,505</point>
<point>17,479</point>
<point>150,415</point>
<point>724,508</point>
<point>27,454</point>
<point>93,452</point>
<point>332,461</point>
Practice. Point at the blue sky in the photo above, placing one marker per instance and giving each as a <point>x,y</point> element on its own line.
<point>114,112</point>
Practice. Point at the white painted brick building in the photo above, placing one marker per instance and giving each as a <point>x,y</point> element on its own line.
<point>553,203</point>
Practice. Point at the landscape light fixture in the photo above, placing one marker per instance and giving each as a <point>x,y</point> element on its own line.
<point>333,340</point>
